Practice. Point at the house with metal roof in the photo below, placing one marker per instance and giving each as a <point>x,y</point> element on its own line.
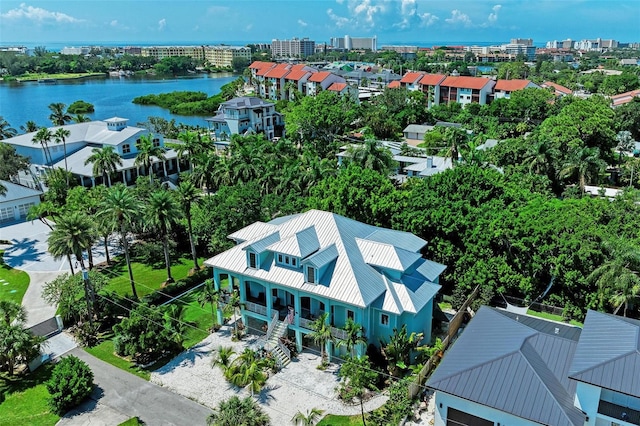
<point>16,201</point>
<point>83,138</point>
<point>514,369</point>
<point>293,269</point>
<point>246,115</point>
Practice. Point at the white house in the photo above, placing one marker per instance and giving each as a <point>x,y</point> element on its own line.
<point>16,201</point>
<point>246,115</point>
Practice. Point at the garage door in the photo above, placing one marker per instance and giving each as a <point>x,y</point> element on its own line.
<point>23,209</point>
<point>6,214</point>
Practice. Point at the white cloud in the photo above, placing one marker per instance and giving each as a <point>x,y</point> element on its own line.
<point>459,18</point>
<point>39,15</point>
<point>493,16</point>
<point>339,21</point>
<point>302,23</point>
<point>366,11</point>
<point>428,19</point>
<point>114,23</point>
<point>162,24</point>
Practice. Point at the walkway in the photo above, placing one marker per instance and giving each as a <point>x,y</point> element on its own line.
<point>300,386</point>
<point>119,396</point>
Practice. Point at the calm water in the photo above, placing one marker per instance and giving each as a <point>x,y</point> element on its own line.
<point>20,102</point>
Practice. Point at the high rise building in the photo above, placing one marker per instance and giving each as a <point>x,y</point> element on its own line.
<point>295,47</point>
<point>223,56</point>
<point>355,43</point>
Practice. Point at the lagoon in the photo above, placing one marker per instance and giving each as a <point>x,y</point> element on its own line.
<point>111,97</point>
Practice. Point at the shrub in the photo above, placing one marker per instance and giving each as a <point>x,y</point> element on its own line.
<point>80,107</point>
<point>70,383</point>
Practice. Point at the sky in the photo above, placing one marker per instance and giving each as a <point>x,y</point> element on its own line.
<point>84,22</point>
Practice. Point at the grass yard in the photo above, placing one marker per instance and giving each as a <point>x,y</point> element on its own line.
<point>62,76</point>
<point>133,421</point>
<point>552,317</point>
<point>23,401</point>
<point>13,283</point>
<point>334,420</point>
<point>197,316</point>
<point>105,352</point>
<point>147,278</point>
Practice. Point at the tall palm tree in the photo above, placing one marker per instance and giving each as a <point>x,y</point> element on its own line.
<point>188,194</point>
<point>6,131</point>
<point>58,116</point>
<point>617,278</point>
<point>210,296</point>
<point>309,419</point>
<point>61,134</point>
<point>191,144</point>
<point>11,311</point>
<point>105,162</point>
<point>71,236</point>
<point>162,213</point>
<point>355,335</point>
<point>43,136</point>
<point>29,127</point>
<point>121,205</point>
<point>248,369</point>
<point>586,164</point>
<point>372,155</point>
<point>539,159</point>
<point>321,334</point>
<point>81,118</point>
<point>147,152</point>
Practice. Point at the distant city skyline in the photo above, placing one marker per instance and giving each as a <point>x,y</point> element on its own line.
<point>392,21</point>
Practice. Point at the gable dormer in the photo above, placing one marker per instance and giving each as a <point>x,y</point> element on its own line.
<point>257,252</point>
<point>290,251</point>
<point>389,258</point>
<point>315,266</point>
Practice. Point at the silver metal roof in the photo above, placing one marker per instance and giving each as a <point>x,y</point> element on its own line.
<point>386,256</point>
<point>608,353</point>
<point>512,363</point>
<point>17,192</point>
<point>302,244</point>
<point>350,279</point>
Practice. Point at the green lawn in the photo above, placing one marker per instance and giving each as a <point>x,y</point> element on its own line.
<point>552,317</point>
<point>133,421</point>
<point>334,420</point>
<point>13,283</point>
<point>197,316</point>
<point>23,401</point>
<point>61,76</point>
<point>146,277</point>
<point>105,352</point>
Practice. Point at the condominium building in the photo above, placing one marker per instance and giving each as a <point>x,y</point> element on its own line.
<point>75,50</point>
<point>222,56</point>
<point>353,43</point>
<point>295,47</point>
<point>161,52</point>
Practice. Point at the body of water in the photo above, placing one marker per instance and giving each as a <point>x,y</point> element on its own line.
<point>111,97</point>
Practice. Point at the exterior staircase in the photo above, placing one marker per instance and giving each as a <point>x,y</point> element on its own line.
<point>277,349</point>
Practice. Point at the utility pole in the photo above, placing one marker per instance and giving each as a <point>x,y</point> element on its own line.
<point>88,295</point>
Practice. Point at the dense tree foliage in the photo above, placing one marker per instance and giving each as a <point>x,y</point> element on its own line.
<point>70,383</point>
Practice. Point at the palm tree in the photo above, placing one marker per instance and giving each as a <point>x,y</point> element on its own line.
<point>355,335</point>
<point>321,334</point>
<point>147,151</point>
<point>81,118</point>
<point>455,139</point>
<point>71,236</point>
<point>248,370</point>
<point>10,312</point>
<point>210,295</point>
<point>162,213</point>
<point>309,419</point>
<point>105,162</point>
<point>61,134</point>
<point>586,163</point>
<point>41,212</point>
<point>43,136</point>
<point>399,349</point>
<point>191,144</point>
<point>18,345</point>
<point>617,278</point>
<point>625,144</point>
<point>6,131</point>
<point>29,127</point>
<point>238,412</point>
<point>188,194</point>
<point>222,357</point>
<point>372,155</point>
<point>58,116</point>
<point>122,207</point>
<point>539,159</point>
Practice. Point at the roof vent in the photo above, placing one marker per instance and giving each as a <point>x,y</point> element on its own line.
<point>557,330</point>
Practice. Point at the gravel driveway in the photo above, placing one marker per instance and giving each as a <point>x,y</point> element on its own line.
<point>298,387</point>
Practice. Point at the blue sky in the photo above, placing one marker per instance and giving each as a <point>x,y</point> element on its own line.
<point>76,22</point>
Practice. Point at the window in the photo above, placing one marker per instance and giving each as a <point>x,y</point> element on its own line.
<point>156,142</point>
<point>279,258</point>
<point>287,260</point>
<point>253,260</point>
<point>350,315</point>
<point>126,148</point>
<point>384,319</point>
<point>311,275</point>
<point>293,261</point>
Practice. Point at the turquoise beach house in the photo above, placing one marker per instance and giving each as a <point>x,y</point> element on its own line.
<point>293,269</point>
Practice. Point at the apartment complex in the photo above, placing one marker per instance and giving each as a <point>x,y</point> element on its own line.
<point>294,48</point>
<point>222,56</point>
<point>355,43</point>
<point>595,45</point>
<point>161,52</point>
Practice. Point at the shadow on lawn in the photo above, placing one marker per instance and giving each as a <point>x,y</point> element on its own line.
<point>22,382</point>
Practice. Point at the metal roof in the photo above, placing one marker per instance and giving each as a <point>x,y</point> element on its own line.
<point>16,192</point>
<point>386,256</point>
<point>513,363</point>
<point>350,279</point>
<point>261,245</point>
<point>608,353</point>
<point>418,128</point>
<point>302,244</point>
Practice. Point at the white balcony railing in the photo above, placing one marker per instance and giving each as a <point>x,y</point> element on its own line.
<point>254,307</point>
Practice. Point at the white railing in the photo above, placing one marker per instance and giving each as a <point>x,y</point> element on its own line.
<point>306,323</point>
<point>272,324</point>
<point>339,333</point>
<point>284,350</point>
<point>254,307</point>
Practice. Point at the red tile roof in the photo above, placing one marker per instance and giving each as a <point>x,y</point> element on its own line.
<point>624,98</point>
<point>465,82</point>
<point>277,72</point>
<point>411,77</point>
<point>511,85</point>
<point>296,74</point>
<point>319,76</point>
<point>394,85</point>
<point>556,87</point>
<point>432,79</point>
<point>257,65</point>
<point>337,87</point>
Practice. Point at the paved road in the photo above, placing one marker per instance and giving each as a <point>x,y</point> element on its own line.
<point>120,395</point>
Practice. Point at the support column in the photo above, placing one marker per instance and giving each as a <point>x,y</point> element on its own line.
<point>299,340</point>
<point>93,181</point>
<point>124,177</point>
<point>164,167</point>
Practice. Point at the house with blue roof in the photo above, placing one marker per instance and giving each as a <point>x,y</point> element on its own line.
<point>293,269</point>
<point>514,369</point>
